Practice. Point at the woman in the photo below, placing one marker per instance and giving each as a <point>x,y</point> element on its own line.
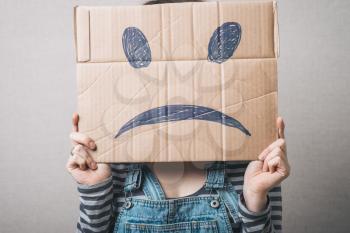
<point>181,197</point>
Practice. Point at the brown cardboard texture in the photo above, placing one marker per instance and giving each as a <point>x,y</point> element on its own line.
<point>177,82</point>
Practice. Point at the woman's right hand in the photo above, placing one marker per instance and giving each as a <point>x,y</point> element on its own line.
<point>81,165</point>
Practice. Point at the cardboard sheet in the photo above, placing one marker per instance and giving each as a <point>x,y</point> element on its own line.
<point>178,82</point>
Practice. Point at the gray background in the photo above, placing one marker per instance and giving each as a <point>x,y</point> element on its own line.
<point>37,97</point>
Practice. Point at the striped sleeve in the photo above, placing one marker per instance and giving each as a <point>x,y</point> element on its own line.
<point>255,222</point>
<point>96,207</point>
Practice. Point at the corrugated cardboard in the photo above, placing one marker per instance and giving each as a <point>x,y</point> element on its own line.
<point>111,91</point>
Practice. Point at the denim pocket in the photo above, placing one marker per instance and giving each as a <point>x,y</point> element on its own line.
<point>183,227</point>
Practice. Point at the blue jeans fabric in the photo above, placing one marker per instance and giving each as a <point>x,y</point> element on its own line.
<point>200,214</point>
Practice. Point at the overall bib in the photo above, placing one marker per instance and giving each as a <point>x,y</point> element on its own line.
<point>196,214</point>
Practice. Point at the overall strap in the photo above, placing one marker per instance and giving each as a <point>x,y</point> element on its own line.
<point>216,181</point>
<point>215,176</point>
<point>230,198</point>
<point>134,177</point>
<point>151,186</point>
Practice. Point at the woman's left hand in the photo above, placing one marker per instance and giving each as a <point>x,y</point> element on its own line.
<point>267,172</point>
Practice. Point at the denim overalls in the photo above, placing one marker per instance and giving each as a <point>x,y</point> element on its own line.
<point>196,214</point>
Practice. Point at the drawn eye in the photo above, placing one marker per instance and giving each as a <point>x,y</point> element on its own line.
<point>224,42</point>
<point>136,47</point>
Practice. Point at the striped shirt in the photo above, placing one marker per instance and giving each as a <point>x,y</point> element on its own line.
<point>101,203</point>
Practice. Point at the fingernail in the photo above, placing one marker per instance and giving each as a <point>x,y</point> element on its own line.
<point>92,145</point>
<point>94,165</point>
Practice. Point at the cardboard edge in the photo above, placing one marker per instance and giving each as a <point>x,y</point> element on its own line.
<point>277,54</point>
<point>276,30</point>
<point>82,34</point>
<point>75,31</point>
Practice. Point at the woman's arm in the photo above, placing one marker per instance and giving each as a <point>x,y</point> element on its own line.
<point>260,179</point>
<point>269,217</point>
<point>96,207</point>
<point>94,184</point>
<point>266,220</point>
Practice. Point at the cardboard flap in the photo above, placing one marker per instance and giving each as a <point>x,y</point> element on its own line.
<point>276,30</point>
<point>176,31</point>
<point>82,34</point>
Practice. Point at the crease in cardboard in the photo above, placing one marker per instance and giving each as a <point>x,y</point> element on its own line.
<point>175,60</point>
<point>98,77</point>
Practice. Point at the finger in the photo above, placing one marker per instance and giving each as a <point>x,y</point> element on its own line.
<point>80,162</point>
<point>84,154</point>
<point>278,143</point>
<point>75,122</point>
<point>280,127</point>
<point>71,164</point>
<point>83,140</point>
<point>273,164</point>
<point>274,153</point>
<point>280,172</point>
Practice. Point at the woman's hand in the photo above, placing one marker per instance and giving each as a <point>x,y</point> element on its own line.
<point>81,165</point>
<point>270,170</point>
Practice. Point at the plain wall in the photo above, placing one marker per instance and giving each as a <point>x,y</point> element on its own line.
<point>38,96</point>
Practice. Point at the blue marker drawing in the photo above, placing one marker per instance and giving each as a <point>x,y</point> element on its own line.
<point>224,42</point>
<point>136,47</point>
<point>181,112</point>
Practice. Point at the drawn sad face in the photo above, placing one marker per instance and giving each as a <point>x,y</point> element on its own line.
<point>222,45</point>
<point>168,103</point>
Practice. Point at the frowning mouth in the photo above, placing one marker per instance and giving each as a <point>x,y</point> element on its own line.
<point>168,113</point>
